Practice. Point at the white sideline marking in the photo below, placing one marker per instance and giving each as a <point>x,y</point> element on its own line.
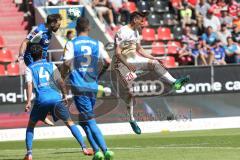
<point>124,128</point>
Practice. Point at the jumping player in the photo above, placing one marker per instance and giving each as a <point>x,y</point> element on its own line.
<point>41,35</point>
<point>130,56</point>
<point>43,77</point>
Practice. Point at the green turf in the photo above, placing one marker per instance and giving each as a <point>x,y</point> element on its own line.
<point>194,145</point>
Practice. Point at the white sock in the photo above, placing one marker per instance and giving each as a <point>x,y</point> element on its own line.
<point>169,77</point>
<point>130,111</point>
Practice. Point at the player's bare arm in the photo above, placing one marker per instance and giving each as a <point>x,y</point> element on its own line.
<point>63,89</point>
<point>23,47</point>
<point>29,96</point>
<point>107,61</point>
<point>60,82</point>
<point>142,52</point>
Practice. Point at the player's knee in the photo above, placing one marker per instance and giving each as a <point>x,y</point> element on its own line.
<point>31,124</point>
<point>69,122</point>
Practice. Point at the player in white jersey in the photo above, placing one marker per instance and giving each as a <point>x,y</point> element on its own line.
<point>130,56</point>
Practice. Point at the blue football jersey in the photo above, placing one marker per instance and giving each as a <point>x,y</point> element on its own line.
<point>39,35</point>
<point>84,74</point>
<point>44,82</point>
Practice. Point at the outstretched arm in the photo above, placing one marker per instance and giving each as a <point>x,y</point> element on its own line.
<point>142,52</point>
<point>23,47</point>
<point>60,82</point>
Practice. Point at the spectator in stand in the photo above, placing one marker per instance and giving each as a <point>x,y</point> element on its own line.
<point>233,8</point>
<point>102,8</point>
<point>189,42</point>
<point>211,20</point>
<point>208,40</point>
<point>186,15</point>
<point>236,34</point>
<point>236,21</point>
<point>216,7</point>
<point>122,14</point>
<point>179,6</point>
<point>232,51</point>
<point>201,11</point>
<point>219,53</point>
<point>226,19</point>
<point>209,37</point>
<point>223,34</point>
<point>206,57</point>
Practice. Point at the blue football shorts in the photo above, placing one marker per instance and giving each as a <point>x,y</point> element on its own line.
<point>58,111</point>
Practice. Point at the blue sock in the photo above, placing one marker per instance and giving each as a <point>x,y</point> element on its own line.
<point>97,135</point>
<point>89,136</point>
<point>77,134</point>
<point>29,139</point>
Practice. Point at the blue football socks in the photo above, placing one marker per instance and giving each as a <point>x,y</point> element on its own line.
<point>77,134</point>
<point>29,139</point>
<point>90,136</point>
<point>97,135</point>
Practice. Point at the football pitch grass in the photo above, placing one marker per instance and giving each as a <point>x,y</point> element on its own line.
<point>190,145</point>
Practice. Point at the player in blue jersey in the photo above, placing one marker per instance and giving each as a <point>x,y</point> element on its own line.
<point>41,35</point>
<point>44,77</point>
<point>82,55</point>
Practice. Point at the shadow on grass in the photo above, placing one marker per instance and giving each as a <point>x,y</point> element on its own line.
<point>12,159</point>
<point>66,152</point>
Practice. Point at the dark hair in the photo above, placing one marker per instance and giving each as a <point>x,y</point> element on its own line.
<point>82,24</point>
<point>137,15</point>
<point>36,52</point>
<point>53,18</point>
<point>69,32</point>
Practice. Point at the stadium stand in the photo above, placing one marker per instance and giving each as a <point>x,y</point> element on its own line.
<point>158,48</point>
<point>2,43</point>
<point>13,69</point>
<point>164,33</point>
<point>173,47</point>
<point>148,34</point>
<point>6,55</point>
<point>2,70</point>
<point>12,26</point>
<point>143,6</point>
<point>169,62</point>
<point>162,29</point>
<point>131,6</point>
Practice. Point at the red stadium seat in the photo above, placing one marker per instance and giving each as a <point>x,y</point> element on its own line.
<point>176,3</point>
<point>173,47</point>
<point>6,56</point>
<point>158,48</point>
<point>2,44</point>
<point>2,70</point>
<point>148,34</point>
<point>131,6</point>
<point>164,33</point>
<point>169,62</point>
<point>193,2</point>
<point>13,69</point>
